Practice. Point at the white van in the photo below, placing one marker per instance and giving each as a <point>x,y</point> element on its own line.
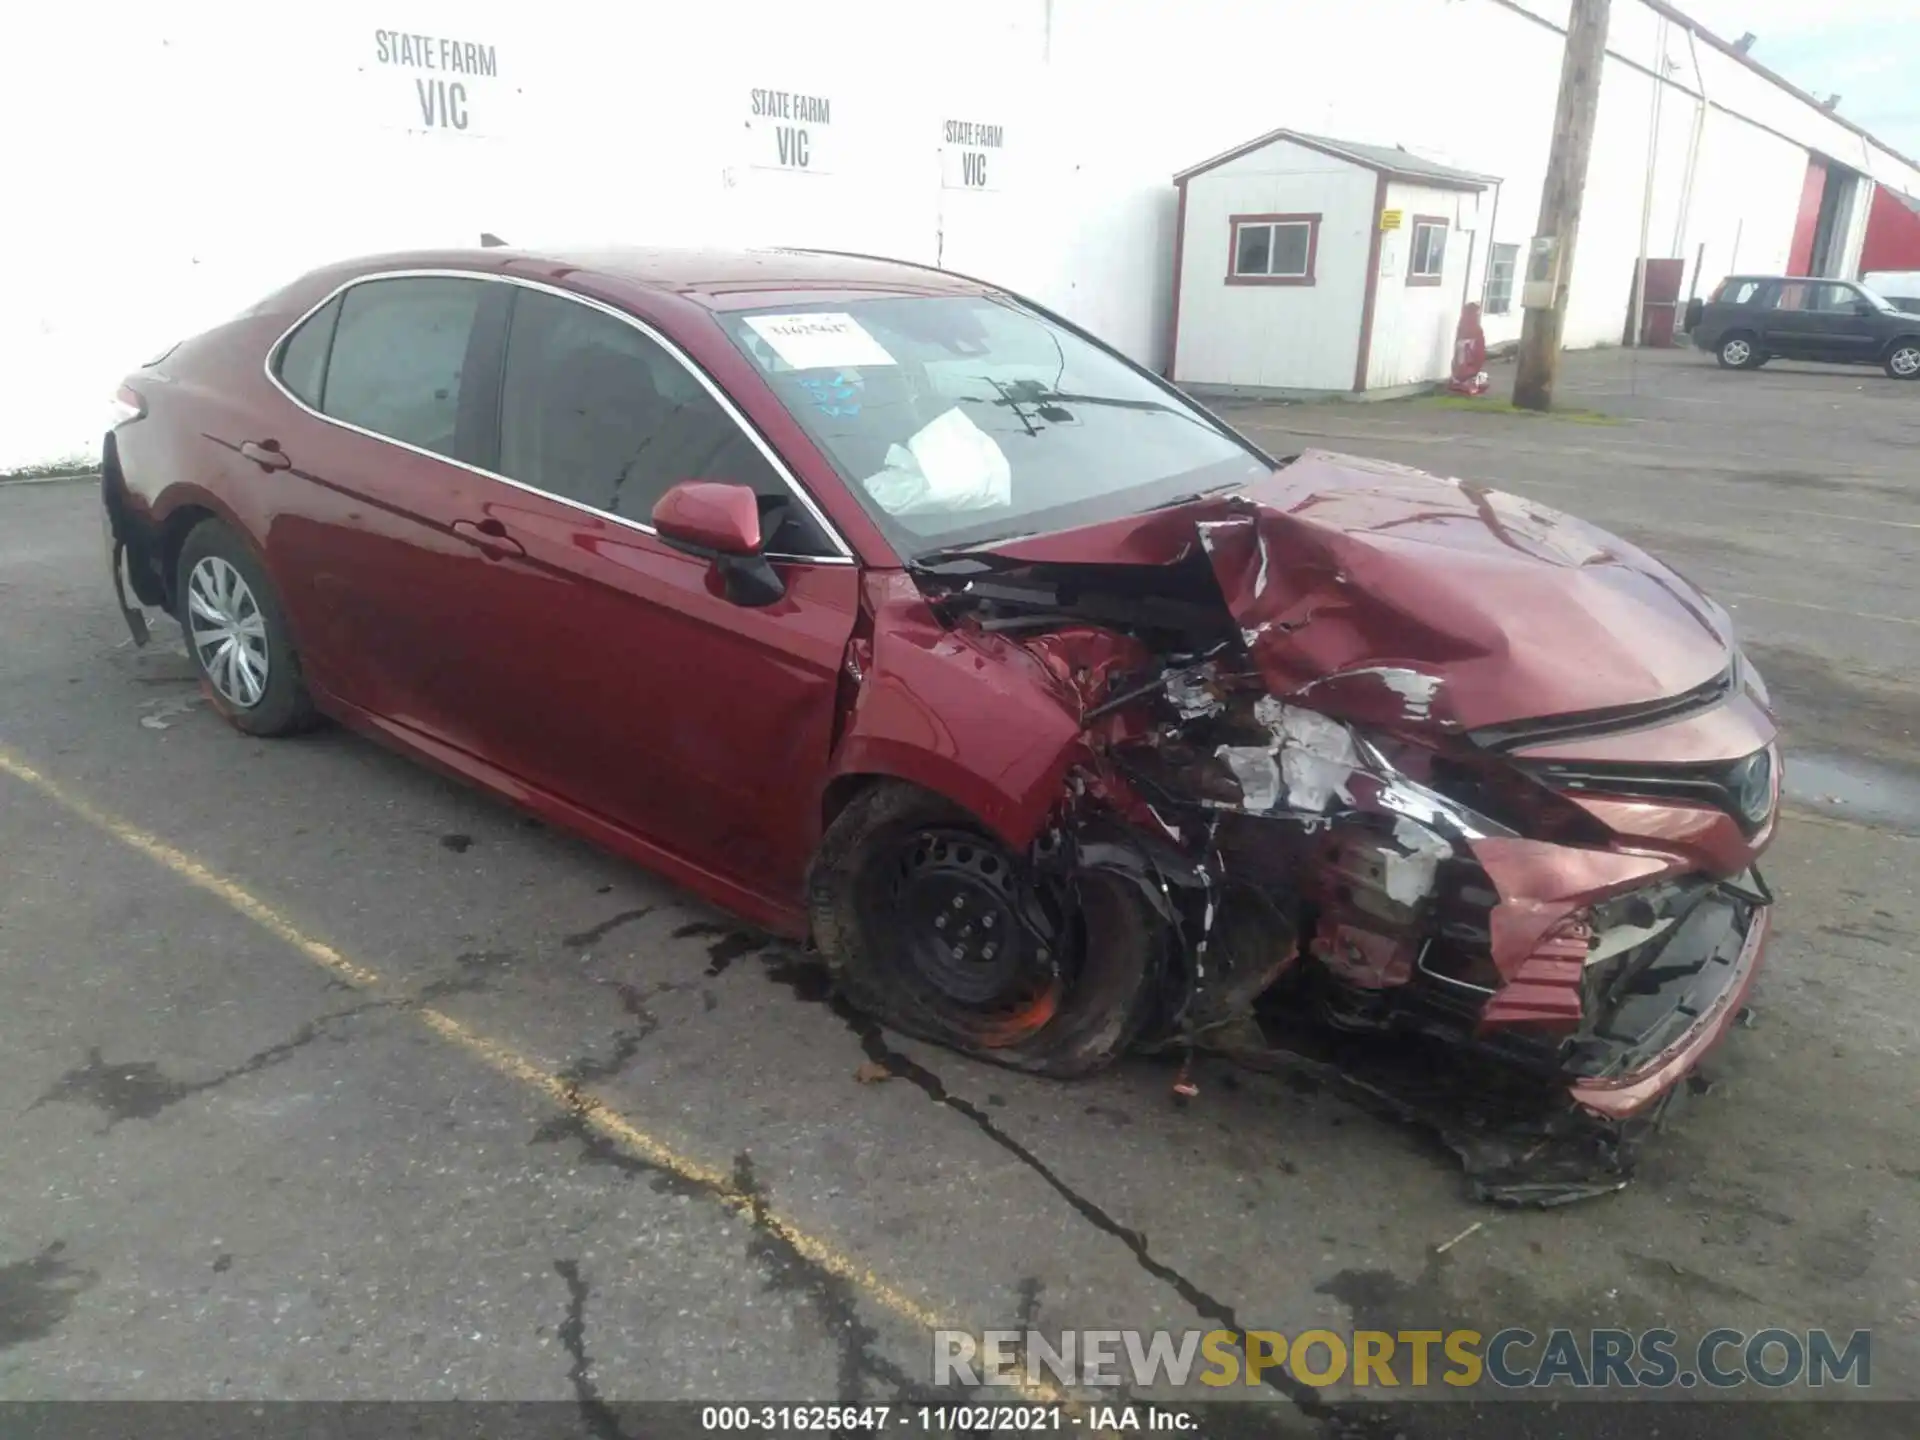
<point>1902,287</point>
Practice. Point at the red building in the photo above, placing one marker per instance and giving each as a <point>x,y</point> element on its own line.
<point>1893,233</point>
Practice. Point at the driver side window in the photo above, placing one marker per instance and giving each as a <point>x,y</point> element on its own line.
<point>594,411</point>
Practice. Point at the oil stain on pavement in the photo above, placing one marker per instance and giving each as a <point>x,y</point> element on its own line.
<point>36,1294</point>
<point>138,1090</point>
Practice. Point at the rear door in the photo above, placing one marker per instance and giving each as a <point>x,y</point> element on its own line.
<point>600,664</point>
<point>381,433</point>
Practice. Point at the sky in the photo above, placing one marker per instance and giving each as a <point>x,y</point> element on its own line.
<point>1866,50</point>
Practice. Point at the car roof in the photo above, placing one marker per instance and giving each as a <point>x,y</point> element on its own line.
<point>720,279</point>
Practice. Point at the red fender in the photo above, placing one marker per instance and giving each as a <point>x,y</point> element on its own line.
<point>971,716</point>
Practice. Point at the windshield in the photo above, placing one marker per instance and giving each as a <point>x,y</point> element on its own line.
<point>961,420</point>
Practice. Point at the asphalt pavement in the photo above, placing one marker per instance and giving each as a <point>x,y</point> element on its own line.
<point>328,1078</point>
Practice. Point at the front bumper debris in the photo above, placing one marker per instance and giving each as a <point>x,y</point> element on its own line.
<point>124,591</point>
<point>1521,1143</point>
<point>1697,987</point>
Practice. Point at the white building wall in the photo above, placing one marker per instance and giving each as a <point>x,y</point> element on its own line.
<point>1746,198</point>
<point>1275,337</point>
<point>168,164</point>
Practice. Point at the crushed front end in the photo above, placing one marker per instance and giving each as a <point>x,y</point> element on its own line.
<point>1392,755</point>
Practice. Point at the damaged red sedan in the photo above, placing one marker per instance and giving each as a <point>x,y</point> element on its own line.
<point>899,615</point>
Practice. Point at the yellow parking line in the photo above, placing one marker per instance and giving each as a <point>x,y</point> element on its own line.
<point>500,1057</point>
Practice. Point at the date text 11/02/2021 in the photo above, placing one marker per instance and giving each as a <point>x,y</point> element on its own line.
<point>942,1419</point>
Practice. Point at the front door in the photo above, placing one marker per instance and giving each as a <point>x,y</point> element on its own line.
<point>602,665</point>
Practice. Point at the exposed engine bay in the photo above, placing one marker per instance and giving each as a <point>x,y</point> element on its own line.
<point>1332,802</point>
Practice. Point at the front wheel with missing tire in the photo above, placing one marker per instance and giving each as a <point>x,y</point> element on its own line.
<point>931,925</point>
<point>237,634</point>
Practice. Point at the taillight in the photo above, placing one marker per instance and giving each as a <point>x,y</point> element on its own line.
<point>128,404</point>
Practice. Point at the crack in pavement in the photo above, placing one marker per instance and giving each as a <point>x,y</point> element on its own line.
<point>788,1270</point>
<point>831,1297</point>
<point>873,1043</point>
<point>810,981</point>
<point>595,1413</point>
<point>583,938</point>
<point>137,1090</point>
<point>626,1042</point>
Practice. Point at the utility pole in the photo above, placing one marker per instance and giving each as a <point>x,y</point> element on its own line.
<point>1548,274</point>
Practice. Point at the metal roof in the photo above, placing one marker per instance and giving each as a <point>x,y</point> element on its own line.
<point>1687,22</point>
<point>1386,160</point>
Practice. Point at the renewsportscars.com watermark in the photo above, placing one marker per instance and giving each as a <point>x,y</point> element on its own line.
<point>1513,1359</point>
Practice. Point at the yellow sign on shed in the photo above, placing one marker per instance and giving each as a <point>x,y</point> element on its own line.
<point>1390,219</point>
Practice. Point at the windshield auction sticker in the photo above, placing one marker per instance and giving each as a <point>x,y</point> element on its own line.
<point>820,340</point>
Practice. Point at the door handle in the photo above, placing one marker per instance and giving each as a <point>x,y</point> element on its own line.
<point>267,454</point>
<point>489,537</point>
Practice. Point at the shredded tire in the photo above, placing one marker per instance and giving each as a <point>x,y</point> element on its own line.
<point>1106,983</point>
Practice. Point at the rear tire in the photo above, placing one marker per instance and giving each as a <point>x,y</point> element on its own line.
<point>1740,350</point>
<point>237,635</point>
<point>1903,360</point>
<point>1023,971</point>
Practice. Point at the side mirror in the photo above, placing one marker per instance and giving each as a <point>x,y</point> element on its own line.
<point>1864,307</point>
<point>721,523</point>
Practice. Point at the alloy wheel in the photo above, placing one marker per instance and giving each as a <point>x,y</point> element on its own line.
<point>228,630</point>
<point>1905,361</point>
<point>1736,352</point>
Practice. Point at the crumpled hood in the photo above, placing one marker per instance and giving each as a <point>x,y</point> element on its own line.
<point>1381,593</point>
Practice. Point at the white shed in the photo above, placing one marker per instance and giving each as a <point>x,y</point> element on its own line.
<point>1304,265</point>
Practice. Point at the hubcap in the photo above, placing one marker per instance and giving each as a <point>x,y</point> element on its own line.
<point>1736,352</point>
<point>1906,360</point>
<point>962,922</point>
<point>229,632</point>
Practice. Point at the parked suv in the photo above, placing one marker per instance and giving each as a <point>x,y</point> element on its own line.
<point>1751,319</point>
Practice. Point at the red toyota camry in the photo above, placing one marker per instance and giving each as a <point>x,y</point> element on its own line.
<point>898,614</point>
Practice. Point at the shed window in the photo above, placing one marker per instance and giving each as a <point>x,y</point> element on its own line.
<point>1273,249</point>
<point>1429,257</point>
<point>1500,279</point>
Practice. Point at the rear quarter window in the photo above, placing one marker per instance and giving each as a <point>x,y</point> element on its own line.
<point>301,362</point>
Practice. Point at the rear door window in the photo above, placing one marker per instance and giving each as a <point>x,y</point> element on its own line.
<point>399,354</point>
<point>594,411</point>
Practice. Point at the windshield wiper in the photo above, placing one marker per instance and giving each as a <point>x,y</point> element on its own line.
<point>1031,392</point>
<point>1193,495</point>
